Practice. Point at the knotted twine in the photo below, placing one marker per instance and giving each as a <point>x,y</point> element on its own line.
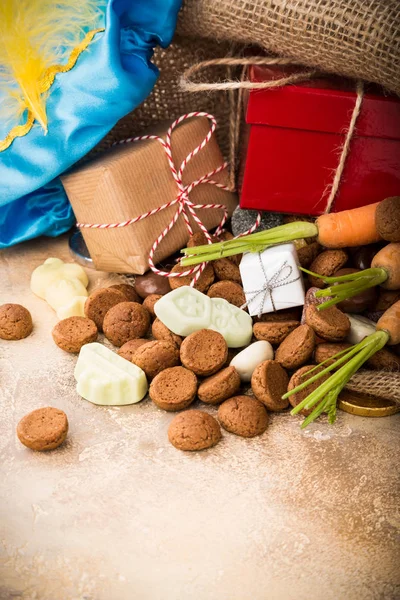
<point>236,107</point>
<point>280,278</point>
<point>185,206</point>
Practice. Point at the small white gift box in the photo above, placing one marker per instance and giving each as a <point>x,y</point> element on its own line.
<point>272,279</point>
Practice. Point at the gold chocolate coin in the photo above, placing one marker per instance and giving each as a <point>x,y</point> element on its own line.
<point>366,406</point>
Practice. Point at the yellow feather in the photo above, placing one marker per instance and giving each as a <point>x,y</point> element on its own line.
<point>35,35</point>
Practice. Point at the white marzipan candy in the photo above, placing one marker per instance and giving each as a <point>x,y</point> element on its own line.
<point>360,328</point>
<point>52,270</point>
<point>186,310</point>
<point>248,359</point>
<point>106,379</point>
<point>76,308</point>
<point>63,292</point>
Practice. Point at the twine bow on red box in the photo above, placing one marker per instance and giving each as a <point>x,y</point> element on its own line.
<point>185,206</point>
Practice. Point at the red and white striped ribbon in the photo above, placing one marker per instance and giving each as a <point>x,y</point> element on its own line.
<point>185,206</point>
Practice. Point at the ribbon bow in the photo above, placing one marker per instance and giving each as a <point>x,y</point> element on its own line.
<point>185,206</point>
<point>280,278</point>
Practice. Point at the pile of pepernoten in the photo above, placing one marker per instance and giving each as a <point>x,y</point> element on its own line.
<point>281,317</point>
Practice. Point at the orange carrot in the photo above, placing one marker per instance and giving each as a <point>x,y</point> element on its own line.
<point>390,322</point>
<point>389,259</point>
<point>354,227</point>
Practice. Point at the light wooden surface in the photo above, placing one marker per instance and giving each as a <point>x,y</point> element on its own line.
<point>119,514</point>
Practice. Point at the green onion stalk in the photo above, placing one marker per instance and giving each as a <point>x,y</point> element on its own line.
<point>347,286</point>
<point>254,242</point>
<point>324,398</point>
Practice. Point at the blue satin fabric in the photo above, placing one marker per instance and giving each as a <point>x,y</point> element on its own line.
<point>111,78</point>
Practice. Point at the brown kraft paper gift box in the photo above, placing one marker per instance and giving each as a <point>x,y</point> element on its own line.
<point>134,178</point>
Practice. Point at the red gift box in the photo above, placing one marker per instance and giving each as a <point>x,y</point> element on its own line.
<point>294,139</point>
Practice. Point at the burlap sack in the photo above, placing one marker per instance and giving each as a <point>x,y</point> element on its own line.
<point>376,383</point>
<point>355,38</point>
<point>167,101</point>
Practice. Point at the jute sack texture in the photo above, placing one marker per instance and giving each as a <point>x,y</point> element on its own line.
<point>354,38</point>
<point>376,383</point>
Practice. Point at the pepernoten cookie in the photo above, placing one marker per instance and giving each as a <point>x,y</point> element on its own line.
<point>298,378</point>
<point>269,382</point>
<point>129,348</point>
<point>126,321</point>
<point>43,429</point>
<point>274,332</point>
<point>174,388</point>
<point>154,357</point>
<point>327,263</point>
<point>204,352</point>
<point>127,290</point>
<point>74,332</point>
<point>15,322</point>
<point>220,386</point>
<point>202,284</point>
<point>149,303</point>
<point>229,290</point>
<point>226,270</point>
<point>99,303</point>
<point>331,324</point>
<point>243,415</point>
<point>297,348</point>
<point>194,430</point>
<point>161,332</point>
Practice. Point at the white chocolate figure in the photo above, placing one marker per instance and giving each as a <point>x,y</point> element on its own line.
<point>186,310</point>
<point>106,379</point>
<point>62,285</point>
<point>76,308</point>
<point>52,270</point>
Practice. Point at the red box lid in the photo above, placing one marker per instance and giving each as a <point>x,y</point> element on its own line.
<point>324,105</point>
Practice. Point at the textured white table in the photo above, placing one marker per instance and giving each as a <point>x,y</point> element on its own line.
<point>119,514</point>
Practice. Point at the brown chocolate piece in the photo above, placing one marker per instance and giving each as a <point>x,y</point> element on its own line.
<point>226,270</point>
<point>126,321</point>
<point>15,322</point>
<point>161,332</point>
<point>384,360</point>
<point>229,290</point>
<point>327,263</point>
<point>220,386</point>
<point>99,303</point>
<point>331,324</point>
<point>74,332</point>
<point>128,349</point>
<point>243,415</point>
<point>274,332</point>
<point>386,299</point>
<point>173,389</point>
<point>149,303</point>
<point>194,430</point>
<point>204,352</point>
<point>128,291</point>
<point>326,350</point>
<point>43,429</point>
<point>269,382</point>
<point>307,254</point>
<point>151,283</point>
<point>387,219</point>
<point>296,379</point>
<point>362,256</point>
<point>360,303</point>
<point>202,284</point>
<point>297,348</point>
<point>154,357</point>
